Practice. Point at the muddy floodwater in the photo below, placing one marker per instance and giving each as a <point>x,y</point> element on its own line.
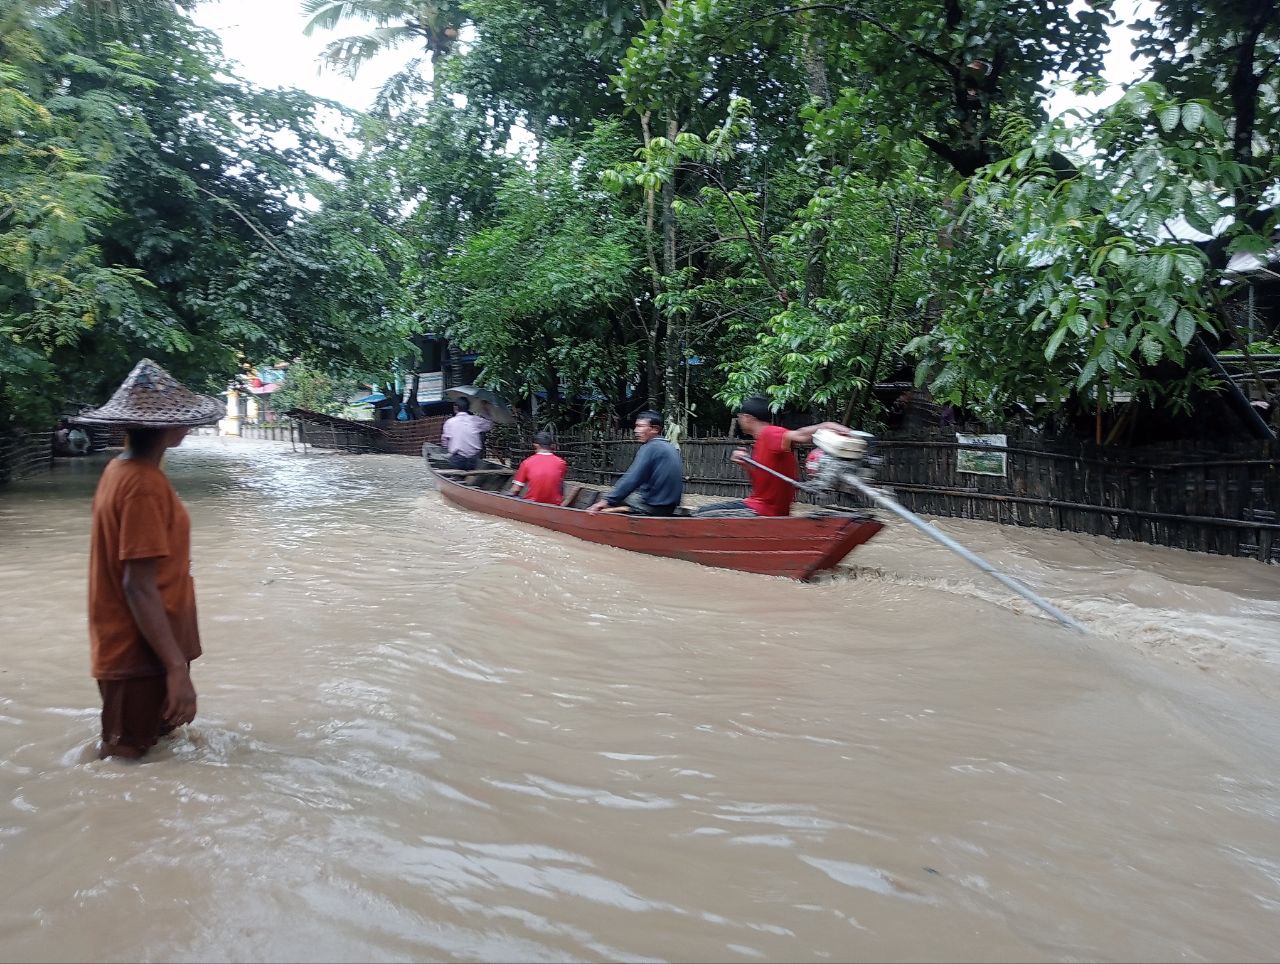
<point>429,734</point>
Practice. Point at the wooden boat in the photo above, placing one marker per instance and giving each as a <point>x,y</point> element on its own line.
<point>794,546</point>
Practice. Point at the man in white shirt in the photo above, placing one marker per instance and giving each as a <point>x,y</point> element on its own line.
<point>462,436</point>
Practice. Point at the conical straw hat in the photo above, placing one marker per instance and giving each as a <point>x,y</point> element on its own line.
<point>152,398</point>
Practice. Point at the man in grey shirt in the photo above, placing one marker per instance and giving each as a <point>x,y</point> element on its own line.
<point>654,483</point>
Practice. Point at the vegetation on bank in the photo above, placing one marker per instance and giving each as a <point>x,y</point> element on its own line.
<point>666,203</point>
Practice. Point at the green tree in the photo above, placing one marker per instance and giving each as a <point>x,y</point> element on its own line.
<point>1090,285</point>
<point>547,294</point>
<point>547,64</point>
<point>940,71</point>
<point>315,389</point>
<point>147,210</point>
<point>826,351</point>
<point>432,25</point>
<point>1225,53</point>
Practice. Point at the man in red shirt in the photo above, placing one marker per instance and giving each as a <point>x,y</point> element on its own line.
<point>775,448</point>
<point>540,477</point>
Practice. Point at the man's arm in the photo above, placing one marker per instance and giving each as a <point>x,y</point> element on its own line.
<point>803,436</point>
<point>142,593</point>
<point>633,479</point>
<point>630,481</point>
<point>520,479</point>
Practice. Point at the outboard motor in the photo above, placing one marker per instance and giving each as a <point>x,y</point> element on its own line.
<point>843,457</point>
<point>848,464</point>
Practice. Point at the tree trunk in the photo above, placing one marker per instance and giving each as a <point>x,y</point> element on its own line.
<point>672,345</point>
<point>1244,89</point>
<point>653,337</point>
<point>650,393</point>
<point>886,313</point>
<point>815,63</point>
<point>411,396</point>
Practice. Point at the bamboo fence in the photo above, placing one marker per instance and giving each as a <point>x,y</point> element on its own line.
<point>1219,498</point>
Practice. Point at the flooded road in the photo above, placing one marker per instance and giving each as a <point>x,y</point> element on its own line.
<point>427,734</point>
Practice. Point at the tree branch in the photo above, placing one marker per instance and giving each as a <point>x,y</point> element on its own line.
<point>934,58</point>
<point>957,159</point>
<point>236,211</point>
<point>954,13</point>
<point>756,247</point>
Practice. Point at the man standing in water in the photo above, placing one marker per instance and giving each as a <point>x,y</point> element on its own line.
<point>142,600</point>
<point>774,448</point>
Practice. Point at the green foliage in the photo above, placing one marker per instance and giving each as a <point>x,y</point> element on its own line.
<point>430,24</point>
<point>543,290</point>
<point>145,208</point>
<point>1091,285</point>
<point>546,63</point>
<point>317,390</point>
<point>720,198</point>
<point>877,243</point>
<point>935,70</point>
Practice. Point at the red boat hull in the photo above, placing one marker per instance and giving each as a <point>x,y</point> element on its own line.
<point>792,546</point>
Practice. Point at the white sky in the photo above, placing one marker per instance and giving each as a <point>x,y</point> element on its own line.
<point>265,37</point>
<point>1118,67</point>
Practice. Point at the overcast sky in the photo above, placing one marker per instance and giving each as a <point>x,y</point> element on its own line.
<point>266,38</point>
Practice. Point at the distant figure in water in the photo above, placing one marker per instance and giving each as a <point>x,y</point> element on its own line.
<point>774,448</point>
<point>70,440</point>
<point>463,435</point>
<point>540,477</point>
<point>142,599</point>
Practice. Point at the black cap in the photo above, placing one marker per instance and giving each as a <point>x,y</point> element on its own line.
<point>757,406</point>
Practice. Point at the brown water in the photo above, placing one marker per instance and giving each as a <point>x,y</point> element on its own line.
<point>427,734</point>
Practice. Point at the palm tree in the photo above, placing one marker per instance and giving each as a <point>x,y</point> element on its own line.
<point>432,23</point>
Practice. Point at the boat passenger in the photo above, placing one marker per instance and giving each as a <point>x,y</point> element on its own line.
<point>463,436</point>
<point>142,600</point>
<point>540,477</point>
<point>775,448</point>
<point>654,483</point>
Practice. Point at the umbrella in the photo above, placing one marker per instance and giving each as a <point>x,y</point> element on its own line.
<point>484,402</point>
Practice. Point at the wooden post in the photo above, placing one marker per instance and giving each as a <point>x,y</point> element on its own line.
<point>231,424</point>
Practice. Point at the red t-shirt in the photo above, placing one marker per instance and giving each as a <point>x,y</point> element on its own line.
<point>543,476</point>
<point>769,495</point>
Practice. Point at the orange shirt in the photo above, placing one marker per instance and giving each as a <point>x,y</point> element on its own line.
<point>137,515</point>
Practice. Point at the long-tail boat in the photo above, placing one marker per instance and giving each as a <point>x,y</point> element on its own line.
<point>797,546</point>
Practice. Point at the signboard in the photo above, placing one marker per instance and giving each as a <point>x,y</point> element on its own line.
<point>982,462</point>
<point>430,386</point>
